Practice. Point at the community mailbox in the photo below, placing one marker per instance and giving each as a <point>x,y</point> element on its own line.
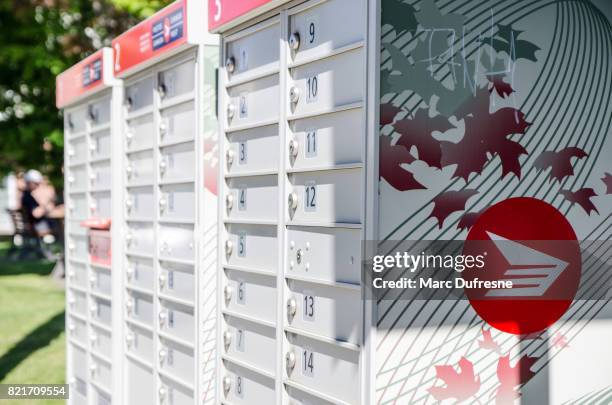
<point>168,129</point>
<point>351,128</point>
<point>90,98</point>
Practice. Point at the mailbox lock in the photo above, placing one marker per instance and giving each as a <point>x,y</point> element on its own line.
<point>71,301</point>
<point>227,293</point>
<point>71,245</point>
<point>71,152</point>
<point>290,361</point>
<point>298,256</point>
<point>128,239</point>
<point>229,247</point>
<point>162,204</point>
<point>162,281</point>
<point>129,272</point>
<point>291,308</point>
<point>162,393</point>
<point>93,146</point>
<point>128,204</point>
<point>294,94</point>
<point>162,167</point>
<point>93,308</point>
<point>229,156</point>
<point>129,339</point>
<point>293,201</point>
<point>231,110</point>
<point>93,338</point>
<point>163,128</point>
<point>162,356</point>
<point>92,369</point>
<point>129,304</point>
<point>161,89</point>
<point>230,64</point>
<point>71,327</point>
<point>70,179</point>
<point>294,41</point>
<point>129,136</point>
<point>294,146</point>
<point>227,384</point>
<point>71,274</point>
<point>129,170</point>
<point>162,318</point>
<point>229,201</point>
<point>93,279</point>
<point>227,339</point>
<point>92,177</point>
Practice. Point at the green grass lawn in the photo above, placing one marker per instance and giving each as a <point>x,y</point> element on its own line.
<point>31,326</point>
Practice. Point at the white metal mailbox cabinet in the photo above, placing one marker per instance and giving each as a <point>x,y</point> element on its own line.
<point>350,124</point>
<point>90,98</point>
<point>168,130</point>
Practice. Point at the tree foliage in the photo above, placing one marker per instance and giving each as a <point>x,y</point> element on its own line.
<point>42,38</point>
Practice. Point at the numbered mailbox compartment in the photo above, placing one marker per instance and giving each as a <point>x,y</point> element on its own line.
<point>100,144</point>
<point>77,302</point>
<point>99,112</point>
<point>246,54</point>
<point>253,198</point>
<point>78,391</point>
<point>324,254</point>
<point>140,203</point>
<point>77,330</point>
<point>177,123</point>
<point>177,321</point>
<point>139,95</point>
<point>250,246</point>
<point>100,280</point>
<point>172,393</point>
<point>176,242</point>
<point>101,341</point>
<point>328,84</point>
<point>245,102</point>
<point>177,80</point>
<point>242,386</point>
<point>100,311</point>
<point>323,367</point>
<point>74,120</point>
<point>139,133</point>
<point>140,273</point>
<point>140,168</point>
<point>250,294</point>
<point>177,162</point>
<point>79,362</point>
<point>326,196</point>
<point>326,141</point>
<point>101,372</point>
<point>139,376</point>
<point>78,246</point>
<point>176,360</point>
<point>139,342</point>
<point>77,150</point>
<point>301,398</point>
<point>100,175</point>
<point>77,274</point>
<point>139,307</point>
<point>177,201</point>
<point>250,342</point>
<point>326,311</point>
<point>77,177</point>
<point>177,281</point>
<point>101,398</point>
<point>252,150</point>
<point>77,206</point>
<point>319,31</point>
<point>100,204</point>
<point>139,238</point>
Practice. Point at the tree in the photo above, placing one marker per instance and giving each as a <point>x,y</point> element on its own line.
<point>42,38</point>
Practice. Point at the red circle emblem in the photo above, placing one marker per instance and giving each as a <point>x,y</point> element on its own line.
<point>529,243</point>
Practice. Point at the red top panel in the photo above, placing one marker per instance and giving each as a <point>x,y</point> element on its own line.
<point>221,12</point>
<point>80,79</point>
<point>160,33</point>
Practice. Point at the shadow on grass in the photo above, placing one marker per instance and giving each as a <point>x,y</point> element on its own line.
<point>15,268</point>
<point>36,339</point>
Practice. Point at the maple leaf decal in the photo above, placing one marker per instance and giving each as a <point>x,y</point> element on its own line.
<point>417,131</point>
<point>388,112</point>
<point>510,378</point>
<point>607,179</point>
<point>391,157</point>
<point>560,162</point>
<point>449,202</point>
<point>581,197</point>
<point>487,342</point>
<point>400,15</point>
<point>559,341</point>
<point>468,219</point>
<point>458,385</point>
<point>498,84</point>
<point>486,134</point>
<point>507,40</point>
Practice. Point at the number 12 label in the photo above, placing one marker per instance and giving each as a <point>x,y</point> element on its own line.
<point>310,196</point>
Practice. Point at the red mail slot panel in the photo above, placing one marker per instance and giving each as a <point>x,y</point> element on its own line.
<point>99,240</point>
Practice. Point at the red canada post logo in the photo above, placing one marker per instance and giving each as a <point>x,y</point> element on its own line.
<point>166,29</point>
<point>531,246</point>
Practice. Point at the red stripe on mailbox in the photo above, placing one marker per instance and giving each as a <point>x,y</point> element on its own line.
<point>221,12</point>
<point>158,34</point>
<point>80,79</point>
